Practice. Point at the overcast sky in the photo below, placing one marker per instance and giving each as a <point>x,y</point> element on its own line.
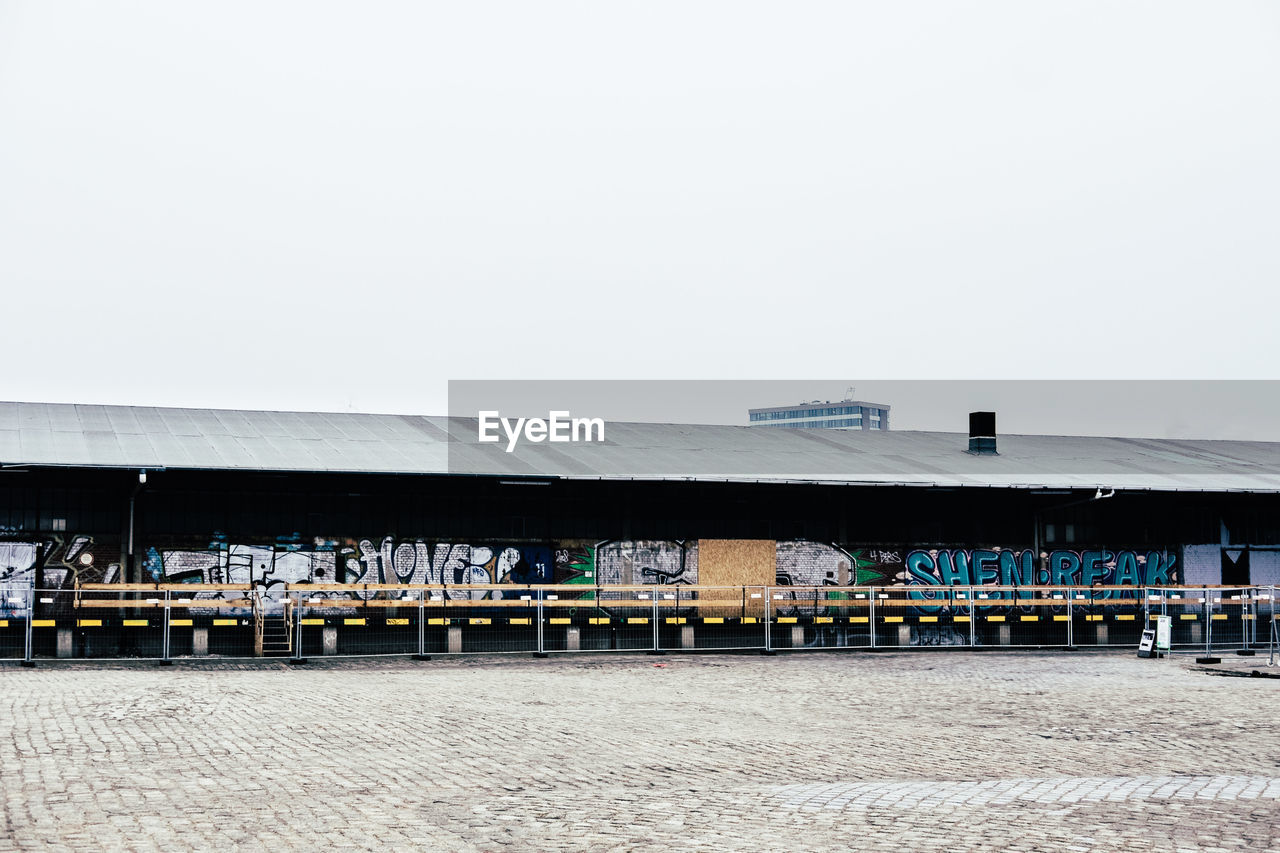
<point>310,205</point>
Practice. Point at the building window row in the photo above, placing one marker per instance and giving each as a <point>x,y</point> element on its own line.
<point>824,412</point>
<point>833,423</point>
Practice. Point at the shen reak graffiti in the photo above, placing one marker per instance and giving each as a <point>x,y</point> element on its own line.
<point>1008,567</point>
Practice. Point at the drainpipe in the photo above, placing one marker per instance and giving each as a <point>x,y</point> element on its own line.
<point>132,573</point>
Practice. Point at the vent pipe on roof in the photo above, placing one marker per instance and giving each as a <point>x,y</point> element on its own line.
<point>982,432</point>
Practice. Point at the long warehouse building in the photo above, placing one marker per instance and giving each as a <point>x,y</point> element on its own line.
<point>92,494</point>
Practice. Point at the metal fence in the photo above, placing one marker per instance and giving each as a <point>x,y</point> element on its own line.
<point>189,621</point>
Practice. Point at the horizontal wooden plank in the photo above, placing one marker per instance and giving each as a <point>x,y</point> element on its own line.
<point>720,591</point>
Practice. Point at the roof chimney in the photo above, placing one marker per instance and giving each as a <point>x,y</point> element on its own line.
<point>982,432</point>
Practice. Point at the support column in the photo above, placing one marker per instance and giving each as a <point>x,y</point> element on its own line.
<point>199,642</point>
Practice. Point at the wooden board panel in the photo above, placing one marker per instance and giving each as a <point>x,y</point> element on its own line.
<point>736,563</point>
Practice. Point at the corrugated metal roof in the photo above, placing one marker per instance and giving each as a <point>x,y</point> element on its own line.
<point>61,434</point>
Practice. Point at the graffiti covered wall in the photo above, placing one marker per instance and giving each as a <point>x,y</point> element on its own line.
<point>75,559</point>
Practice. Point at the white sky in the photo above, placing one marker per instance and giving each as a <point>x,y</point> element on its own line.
<point>309,205</point>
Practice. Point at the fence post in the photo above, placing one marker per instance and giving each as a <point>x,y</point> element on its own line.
<point>1251,624</point>
<point>1271,629</point>
<point>28,659</point>
<point>871,613</point>
<point>164,653</point>
<point>542,651</point>
<point>1208,632</point>
<point>1071,623</point>
<point>297,658</point>
<point>657,644</point>
<point>973,620</point>
<point>422,627</point>
<point>768,622</point>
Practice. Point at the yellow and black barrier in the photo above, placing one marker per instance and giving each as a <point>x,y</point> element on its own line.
<point>188,619</point>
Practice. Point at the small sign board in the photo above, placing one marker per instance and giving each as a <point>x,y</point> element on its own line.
<point>1164,629</point>
<point>1147,647</point>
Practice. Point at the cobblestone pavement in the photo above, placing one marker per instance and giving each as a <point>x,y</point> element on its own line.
<point>896,751</point>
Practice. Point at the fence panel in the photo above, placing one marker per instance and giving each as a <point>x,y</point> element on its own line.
<point>589,618</point>
<point>1038,617</point>
<point>708,617</point>
<point>369,621</point>
<point>114,623</point>
<point>1186,611</point>
<point>53,628</point>
<point>627,619</point>
<point>15,616</point>
<point>167,621</point>
<point>1107,616</point>
<point>1230,619</point>
<point>942,616</point>
<point>819,617</point>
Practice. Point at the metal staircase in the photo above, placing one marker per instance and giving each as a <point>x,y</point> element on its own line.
<point>272,627</point>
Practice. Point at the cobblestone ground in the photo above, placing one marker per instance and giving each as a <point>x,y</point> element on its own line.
<point>946,751</point>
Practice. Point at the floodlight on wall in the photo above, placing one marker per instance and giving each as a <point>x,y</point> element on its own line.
<point>142,476</point>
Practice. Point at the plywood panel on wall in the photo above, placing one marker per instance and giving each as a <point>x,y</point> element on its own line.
<point>736,562</point>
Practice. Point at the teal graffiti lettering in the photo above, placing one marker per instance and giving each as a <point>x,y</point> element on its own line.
<point>1091,568</point>
<point>1127,569</point>
<point>1064,566</point>
<point>1159,571</point>
<point>954,568</point>
<point>1015,569</point>
<point>920,568</point>
<point>986,567</point>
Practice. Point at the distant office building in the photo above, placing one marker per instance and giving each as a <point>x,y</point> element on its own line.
<point>823,414</point>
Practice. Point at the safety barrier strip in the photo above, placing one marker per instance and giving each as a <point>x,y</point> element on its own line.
<point>555,620</point>
<point>669,620</point>
<point>673,620</point>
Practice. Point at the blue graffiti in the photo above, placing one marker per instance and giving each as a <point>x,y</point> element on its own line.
<point>991,567</point>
